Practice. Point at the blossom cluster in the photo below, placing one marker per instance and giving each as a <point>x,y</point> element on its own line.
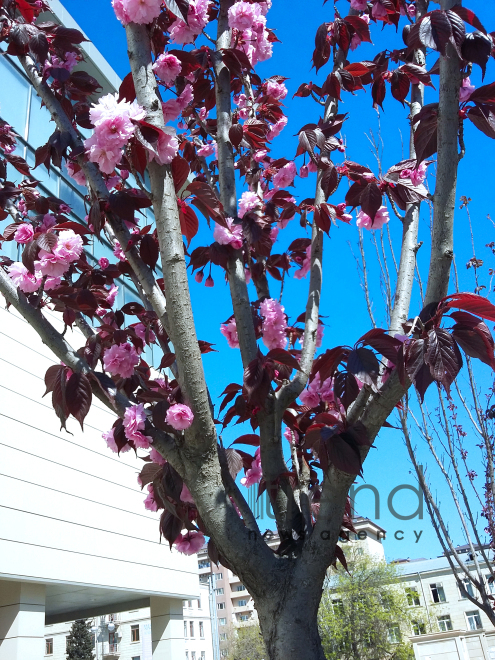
<point>167,67</point>
<point>50,265</point>
<point>249,33</point>
<point>230,235</point>
<point>254,473</point>
<point>381,218</point>
<point>229,331</point>
<point>197,19</point>
<point>113,129</point>
<point>136,11</point>
<point>274,324</point>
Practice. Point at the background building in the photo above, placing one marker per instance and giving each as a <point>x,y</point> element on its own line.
<point>452,627</point>
<point>128,635</point>
<point>76,540</point>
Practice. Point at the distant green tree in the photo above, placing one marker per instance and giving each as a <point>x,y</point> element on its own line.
<point>364,613</point>
<point>79,642</point>
<point>246,643</point>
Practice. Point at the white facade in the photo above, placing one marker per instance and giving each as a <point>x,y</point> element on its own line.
<point>128,635</point>
<point>76,540</point>
<point>452,628</point>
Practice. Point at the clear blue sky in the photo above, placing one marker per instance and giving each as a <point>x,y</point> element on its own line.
<point>342,301</point>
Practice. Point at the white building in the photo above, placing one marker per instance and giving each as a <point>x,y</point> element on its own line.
<point>128,635</point>
<point>75,538</point>
<point>449,626</point>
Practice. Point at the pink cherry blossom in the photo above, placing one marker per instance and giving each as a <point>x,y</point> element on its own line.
<point>274,324</point>
<point>207,149</point>
<point>303,172</point>
<point>466,90</point>
<point>69,246</point>
<point>167,67</point>
<point>78,176</point>
<point>117,250</point>
<point>120,360</point>
<point>248,202</point>
<point>51,264</point>
<point>274,233</point>
<point>136,11</point>
<point>419,174</point>
<point>260,155</point>
<point>306,265</point>
<point>285,176</point>
<point>21,277</point>
<point>156,457</point>
<point>359,5</point>
<point>173,107</point>
<point>355,41</point>
<point>24,233</point>
<point>140,330</point>
<point>199,276</point>
<point>378,11</point>
<point>134,422</point>
<point>49,221</point>
<point>179,416</point>
<point>381,218</point>
<point>255,473</point>
<point>231,235</point>
<point>52,283</point>
<point>288,434</point>
<point>109,438</point>
<point>166,148</point>
<point>276,90</point>
<point>185,495</point>
<point>209,282</point>
<point>112,295</point>
<point>229,331</point>
<point>277,128</point>
<point>189,543</point>
<point>197,19</point>
<point>103,263</point>
<point>150,503</point>
<point>309,397</point>
<point>242,15</point>
<point>411,10</point>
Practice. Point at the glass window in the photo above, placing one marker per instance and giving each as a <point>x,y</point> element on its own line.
<point>394,634</point>
<point>48,179</point>
<point>49,641</point>
<point>189,602</point>
<point>218,576</point>
<point>185,628</point>
<point>193,655</point>
<point>201,629</point>
<point>445,623</point>
<point>72,198</point>
<point>191,628</point>
<point>240,587</point>
<point>223,637</point>
<point>222,622</point>
<point>187,655</point>
<point>203,655</point>
<point>219,592</point>
<point>337,606</point>
<point>204,564</point>
<point>220,606</point>
<point>474,620</point>
<point>242,603</point>
<point>224,653</point>
<point>136,657</point>
<point>14,104</point>
<point>412,596</point>
<point>468,587</point>
<point>243,617</point>
<point>437,593</point>
<point>418,628</point>
<point>135,633</point>
<point>40,125</point>
<point>490,584</point>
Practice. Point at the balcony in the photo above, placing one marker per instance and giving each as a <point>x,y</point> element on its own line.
<point>110,618</point>
<point>249,607</point>
<point>110,650</point>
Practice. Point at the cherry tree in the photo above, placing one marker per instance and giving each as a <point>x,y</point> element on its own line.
<point>192,126</point>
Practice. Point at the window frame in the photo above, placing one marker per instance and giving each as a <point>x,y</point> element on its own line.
<point>201,629</point>
<point>438,587</point>
<point>477,616</point>
<point>48,643</point>
<point>419,626</point>
<point>447,619</point>
<point>412,594</point>
<point>135,629</point>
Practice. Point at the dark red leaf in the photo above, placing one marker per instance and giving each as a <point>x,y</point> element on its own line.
<point>382,342</point>
<point>78,396</point>
<point>248,439</point>
<point>371,200</point>
<point>19,163</point>
<point>469,17</point>
<point>149,251</point>
<point>443,357</point>
<point>284,357</point>
<point>47,241</point>
<point>51,377</point>
<point>189,223</point>
<point>346,388</point>
<point>236,135</point>
<point>483,117</point>
<point>425,135</point>
<point>363,363</point>
<point>180,172</point>
<point>477,48</point>
<point>167,361</point>
<point>469,302</point>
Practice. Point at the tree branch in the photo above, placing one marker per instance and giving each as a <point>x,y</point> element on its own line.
<point>442,243</point>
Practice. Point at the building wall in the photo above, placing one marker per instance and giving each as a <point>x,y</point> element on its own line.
<point>197,647</point>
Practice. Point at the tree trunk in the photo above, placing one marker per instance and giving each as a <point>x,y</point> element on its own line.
<point>289,625</point>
